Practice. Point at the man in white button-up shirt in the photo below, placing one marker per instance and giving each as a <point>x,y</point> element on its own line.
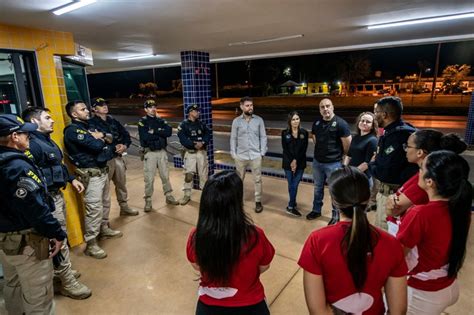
<point>248,145</point>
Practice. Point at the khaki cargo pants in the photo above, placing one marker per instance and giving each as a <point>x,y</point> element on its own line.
<point>28,283</point>
<point>385,190</point>
<point>117,174</point>
<point>192,163</point>
<point>153,160</point>
<point>94,205</point>
<point>63,271</point>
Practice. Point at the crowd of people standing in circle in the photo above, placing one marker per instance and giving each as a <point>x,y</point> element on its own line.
<point>407,262</point>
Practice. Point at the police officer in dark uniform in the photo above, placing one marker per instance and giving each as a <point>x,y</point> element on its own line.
<point>27,227</point>
<point>390,165</point>
<point>117,168</point>
<point>49,158</point>
<point>194,136</point>
<point>153,132</point>
<point>89,152</point>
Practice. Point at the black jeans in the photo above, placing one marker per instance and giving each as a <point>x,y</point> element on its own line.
<point>256,309</point>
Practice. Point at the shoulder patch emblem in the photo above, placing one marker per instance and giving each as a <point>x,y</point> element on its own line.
<point>140,124</point>
<point>21,193</point>
<point>27,183</point>
<point>80,136</point>
<point>288,136</point>
<point>389,150</point>
<point>317,123</point>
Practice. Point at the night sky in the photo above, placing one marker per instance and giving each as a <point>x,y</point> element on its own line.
<point>392,62</point>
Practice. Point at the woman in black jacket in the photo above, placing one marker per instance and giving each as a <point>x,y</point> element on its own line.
<point>294,141</point>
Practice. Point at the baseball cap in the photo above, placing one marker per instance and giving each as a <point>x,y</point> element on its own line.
<point>192,107</point>
<point>11,123</point>
<point>149,103</point>
<point>99,101</point>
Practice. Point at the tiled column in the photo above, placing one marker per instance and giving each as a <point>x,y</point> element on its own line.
<point>196,80</point>
<point>469,138</point>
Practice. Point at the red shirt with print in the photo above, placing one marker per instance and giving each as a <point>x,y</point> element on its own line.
<point>322,255</point>
<point>428,228</point>
<point>244,287</point>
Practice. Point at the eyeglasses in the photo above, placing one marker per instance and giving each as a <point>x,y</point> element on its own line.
<point>406,146</point>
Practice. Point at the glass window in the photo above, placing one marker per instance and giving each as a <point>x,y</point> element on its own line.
<point>75,80</point>
<point>19,87</point>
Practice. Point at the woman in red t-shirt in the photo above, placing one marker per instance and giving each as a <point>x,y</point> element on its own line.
<point>346,265</point>
<point>228,250</point>
<point>435,235</point>
<point>419,145</point>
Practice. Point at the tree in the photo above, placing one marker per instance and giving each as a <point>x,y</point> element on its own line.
<point>354,68</point>
<point>453,75</point>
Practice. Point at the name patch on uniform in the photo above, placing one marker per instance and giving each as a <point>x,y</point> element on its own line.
<point>34,176</point>
<point>81,131</point>
<point>389,150</point>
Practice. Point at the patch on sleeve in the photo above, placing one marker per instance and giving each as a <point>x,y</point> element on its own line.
<point>27,183</point>
<point>140,124</point>
<point>80,136</point>
<point>389,150</point>
<point>21,193</point>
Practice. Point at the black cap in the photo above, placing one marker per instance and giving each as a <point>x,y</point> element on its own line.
<point>192,107</point>
<point>149,103</point>
<point>12,123</point>
<point>98,101</point>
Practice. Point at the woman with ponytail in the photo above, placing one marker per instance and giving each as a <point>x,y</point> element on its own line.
<point>419,145</point>
<point>346,265</point>
<point>435,234</point>
<point>228,251</point>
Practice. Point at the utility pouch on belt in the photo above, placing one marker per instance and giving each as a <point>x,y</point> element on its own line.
<point>82,176</point>
<point>12,244</point>
<point>40,244</point>
<point>142,151</point>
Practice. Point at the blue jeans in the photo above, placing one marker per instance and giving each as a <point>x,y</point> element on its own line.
<point>321,172</point>
<point>293,182</point>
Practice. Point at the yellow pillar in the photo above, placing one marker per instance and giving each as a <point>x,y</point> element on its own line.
<point>48,46</point>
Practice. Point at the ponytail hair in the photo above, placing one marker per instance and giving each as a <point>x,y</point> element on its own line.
<point>430,140</point>
<point>350,192</point>
<point>450,173</point>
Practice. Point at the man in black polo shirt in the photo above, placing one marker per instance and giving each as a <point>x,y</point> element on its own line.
<point>390,165</point>
<point>332,138</point>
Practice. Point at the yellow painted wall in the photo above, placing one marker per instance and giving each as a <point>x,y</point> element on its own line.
<point>48,47</point>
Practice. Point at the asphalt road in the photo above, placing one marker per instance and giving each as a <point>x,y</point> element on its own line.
<point>221,139</point>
